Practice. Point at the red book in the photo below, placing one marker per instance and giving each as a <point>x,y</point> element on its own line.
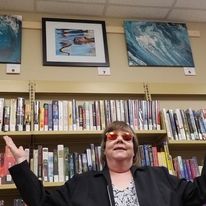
<point>9,161</point>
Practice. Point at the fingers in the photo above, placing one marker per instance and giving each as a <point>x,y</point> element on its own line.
<point>21,148</point>
<point>9,142</point>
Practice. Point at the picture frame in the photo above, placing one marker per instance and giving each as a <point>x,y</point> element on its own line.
<point>158,44</point>
<point>11,39</point>
<point>73,42</point>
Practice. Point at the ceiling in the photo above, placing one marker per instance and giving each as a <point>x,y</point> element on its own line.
<point>166,10</point>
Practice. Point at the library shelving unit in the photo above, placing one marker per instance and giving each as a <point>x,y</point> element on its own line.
<point>182,96</point>
<point>79,140</point>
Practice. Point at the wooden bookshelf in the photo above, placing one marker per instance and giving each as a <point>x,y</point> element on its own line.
<point>170,95</point>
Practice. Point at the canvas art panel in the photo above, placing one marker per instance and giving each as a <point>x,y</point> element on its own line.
<point>158,44</point>
<point>10,39</point>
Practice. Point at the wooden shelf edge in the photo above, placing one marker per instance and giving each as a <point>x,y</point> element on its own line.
<point>46,184</point>
<point>177,89</point>
<point>187,142</point>
<point>83,132</point>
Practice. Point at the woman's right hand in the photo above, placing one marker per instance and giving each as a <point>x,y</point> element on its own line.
<point>18,153</point>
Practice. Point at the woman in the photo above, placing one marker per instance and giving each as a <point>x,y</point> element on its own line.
<point>120,183</point>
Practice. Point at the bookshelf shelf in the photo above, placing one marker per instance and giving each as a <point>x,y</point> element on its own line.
<point>192,145</point>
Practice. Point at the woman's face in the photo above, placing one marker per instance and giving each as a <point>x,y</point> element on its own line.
<point>119,146</point>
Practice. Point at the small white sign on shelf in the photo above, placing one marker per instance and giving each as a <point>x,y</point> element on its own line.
<point>189,71</point>
<point>13,68</point>
<point>104,71</point>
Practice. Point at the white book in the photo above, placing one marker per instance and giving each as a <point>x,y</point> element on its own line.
<point>27,151</point>
<point>51,166</point>
<point>113,110</point>
<point>61,115</point>
<point>167,124</point>
<point>102,114</point>
<point>181,126</point>
<point>118,110</point>
<point>65,115</point>
<point>122,110</point>
<point>74,115</point>
<point>91,117</point>
<point>60,154</point>
<point>86,106</point>
<point>35,162</point>
<point>89,158</point>
<point>12,115</point>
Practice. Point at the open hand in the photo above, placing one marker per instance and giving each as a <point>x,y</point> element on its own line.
<point>18,153</point>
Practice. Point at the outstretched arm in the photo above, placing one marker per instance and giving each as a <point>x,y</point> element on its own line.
<point>18,153</point>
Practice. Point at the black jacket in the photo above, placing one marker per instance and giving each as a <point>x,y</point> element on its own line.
<point>154,185</point>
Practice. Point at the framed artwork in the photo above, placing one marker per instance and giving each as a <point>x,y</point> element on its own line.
<point>158,44</point>
<point>71,42</point>
<point>10,39</point>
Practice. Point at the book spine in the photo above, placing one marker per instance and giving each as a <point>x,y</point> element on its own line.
<point>40,162</point>
<point>61,115</point>
<point>51,166</point>
<point>65,115</point>
<point>6,119</point>
<point>1,113</point>
<point>55,115</point>
<point>55,171</point>
<point>45,160</point>
<point>36,115</point>
<point>27,119</point>
<point>50,121</point>
<point>46,116</point>
<point>13,115</point>
<point>60,153</point>
<point>20,114</point>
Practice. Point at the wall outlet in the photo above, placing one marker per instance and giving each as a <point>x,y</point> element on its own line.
<point>104,71</point>
<point>13,68</point>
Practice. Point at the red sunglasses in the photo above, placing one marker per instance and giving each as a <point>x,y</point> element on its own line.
<point>113,136</point>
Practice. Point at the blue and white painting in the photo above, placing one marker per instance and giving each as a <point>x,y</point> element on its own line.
<point>158,44</point>
<point>10,39</point>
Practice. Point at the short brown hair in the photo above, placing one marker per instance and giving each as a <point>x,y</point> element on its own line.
<point>123,126</point>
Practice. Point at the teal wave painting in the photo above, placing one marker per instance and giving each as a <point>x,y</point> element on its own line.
<point>10,39</point>
<point>158,44</point>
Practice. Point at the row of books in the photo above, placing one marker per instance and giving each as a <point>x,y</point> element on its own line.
<point>64,115</point>
<point>74,115</point>
<point>185,124</point>
<point>152,155</point>
<point>156,155</point>
<point>15,115</point>
<point>16,202</point>
<point>57,165</point>
<point>186,168</point>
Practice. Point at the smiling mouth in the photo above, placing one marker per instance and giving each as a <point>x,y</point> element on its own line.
<point>119,148</point>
